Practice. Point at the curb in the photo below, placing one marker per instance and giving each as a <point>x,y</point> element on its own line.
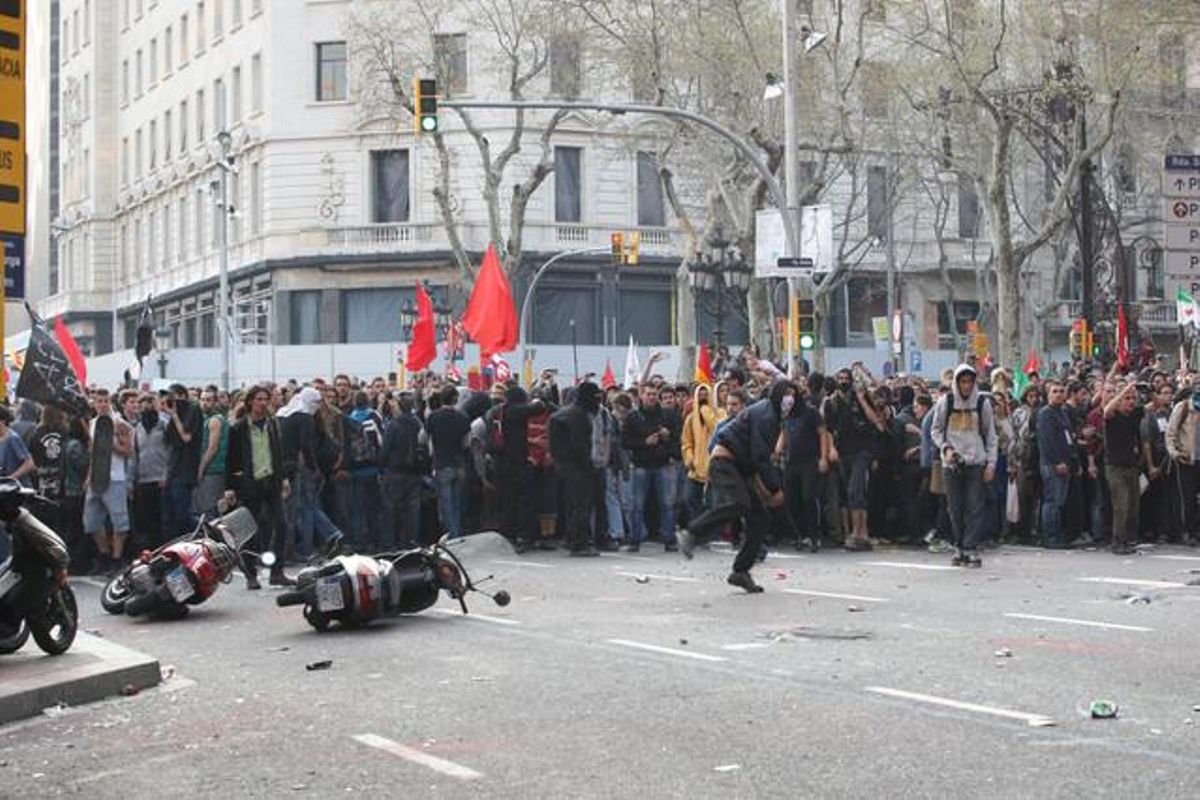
<point>91,670</point>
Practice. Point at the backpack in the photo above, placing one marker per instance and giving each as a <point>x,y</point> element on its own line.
<point>365,441</point>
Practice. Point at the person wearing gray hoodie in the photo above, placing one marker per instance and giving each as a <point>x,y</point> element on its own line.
<point>964,432</point>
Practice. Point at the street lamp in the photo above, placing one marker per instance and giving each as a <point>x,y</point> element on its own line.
<point>162,339</point>
<point>225,331</point>
<point>441,311</point>
<point>714,274</point>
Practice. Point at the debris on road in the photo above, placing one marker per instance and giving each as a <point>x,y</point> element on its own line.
<point>683,641</point>
<point>1003,652</point>
<point>167,672</point>
<point>313,666</point>
<point>855,609</point>
<point>641,579</point>
<point>802,633</point>
<point>780,575</point>
<point>94,632</point>
<point>1042,722</point>
<point>56,710</point>
<point>1135,598</point>
<point>281,649</point>
<point>1103,709</point>
<point>727,768</point>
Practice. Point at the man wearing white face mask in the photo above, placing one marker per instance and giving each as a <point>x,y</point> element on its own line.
<point>745,480</point>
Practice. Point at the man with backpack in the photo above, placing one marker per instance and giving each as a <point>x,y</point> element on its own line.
<point>448,430</point>
<point>365,432</point>
<point>964,433</point>
<point>402,477</point>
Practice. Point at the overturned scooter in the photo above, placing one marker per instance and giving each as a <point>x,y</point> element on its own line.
<point>354,590</point>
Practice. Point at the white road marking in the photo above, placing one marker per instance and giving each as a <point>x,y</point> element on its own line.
<point>773,554</point>
<point>1137,582</point>
<point>1035,720</point>
<point>456,612</point>
<point>670,651</point>
<point>654,577</point>
<point>1178,558</point>
<point>745,646</point>
<point>836,596</point>
<point>909,565</point>
<point>534,564</point>
<point>417,757</point>
<point>627,557</point>
<point>1084,622</point>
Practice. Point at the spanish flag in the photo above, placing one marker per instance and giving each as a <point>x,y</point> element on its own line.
<point>703,365</point>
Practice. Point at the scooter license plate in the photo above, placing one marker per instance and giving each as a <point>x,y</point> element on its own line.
<point>179,585</point>
<point>329,595</point>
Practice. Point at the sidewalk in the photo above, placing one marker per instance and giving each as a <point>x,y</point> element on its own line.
<point>91,670</point>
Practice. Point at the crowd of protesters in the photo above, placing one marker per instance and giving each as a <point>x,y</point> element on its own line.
<point>1079,457</point>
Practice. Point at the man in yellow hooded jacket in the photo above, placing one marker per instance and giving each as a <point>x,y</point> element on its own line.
<point>698,428</point>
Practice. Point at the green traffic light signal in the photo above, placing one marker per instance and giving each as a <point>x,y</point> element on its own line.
<point>807,341</point>
<point>425,105</point>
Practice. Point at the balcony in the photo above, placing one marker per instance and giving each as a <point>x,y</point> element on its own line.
<point>386,236</point>
<point>1155,315</point>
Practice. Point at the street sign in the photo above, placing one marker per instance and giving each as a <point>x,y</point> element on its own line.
<point>1181,211</point>
<point>914,360</point>
<point>1182,263</point>
<point>12,117</point>
<point>1181,162</point>
<point>1183,237</point>
<point>1178,184</point>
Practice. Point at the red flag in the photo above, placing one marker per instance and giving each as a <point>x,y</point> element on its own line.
<point>1031,366</point>
<point>71,350</point>
<point>1122,337</point>
<point>422,346</point>
<point>703,365</point>
<point>491,315</point>
<point>609,380</point>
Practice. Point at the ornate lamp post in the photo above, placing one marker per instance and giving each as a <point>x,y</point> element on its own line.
<point>716,274</point>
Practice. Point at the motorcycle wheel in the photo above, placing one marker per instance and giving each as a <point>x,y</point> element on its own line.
<point>315,618</point>
<point>116,593</point>
<point>55,627</point>
<point>11,644</point>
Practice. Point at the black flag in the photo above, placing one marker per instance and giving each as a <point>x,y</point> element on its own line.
<point>142,345</point>
<point>48,376</point>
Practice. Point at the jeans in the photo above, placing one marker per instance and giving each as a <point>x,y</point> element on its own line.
<point>303,513</point>
<point>402,499</point>
<point>618,497</point>
<point>966,502</point>
<point>1054,499</point>
<point>365,511</point>
<point>451,483</point>
<point>177,508</point>
<point>663,481</point>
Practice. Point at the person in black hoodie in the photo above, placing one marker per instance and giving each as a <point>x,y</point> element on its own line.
<point>514,473</point>
<point>571,449</point>
<point>744,480</point>
<point>651,435</point>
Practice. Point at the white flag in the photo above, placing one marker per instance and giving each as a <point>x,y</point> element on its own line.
<point>633,370</point>
<point>1185,309</point>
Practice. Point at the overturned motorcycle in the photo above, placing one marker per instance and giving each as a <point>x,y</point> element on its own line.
<point>184,572</point>
<point>354,590</point>
<point>35,598</point>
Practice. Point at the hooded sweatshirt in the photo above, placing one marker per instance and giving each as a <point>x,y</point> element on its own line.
<point>965,424</point>
<point>751,436</point>
<point>698,428</point>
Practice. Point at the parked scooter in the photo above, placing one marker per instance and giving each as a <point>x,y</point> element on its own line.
<point>35,598</point>
<point>354,590</point>
<point>182,573</point>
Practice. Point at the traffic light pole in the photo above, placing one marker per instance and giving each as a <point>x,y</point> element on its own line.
<point>537,276</point>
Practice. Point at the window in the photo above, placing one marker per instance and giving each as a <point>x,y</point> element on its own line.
<point>566,71</point>
<point>200,115</point>
<point>220,122</point>
<point>153,144</point>
<point>650,210</point>
<point>876,10</point>
<point>237,14</point>
<point>208,331</point>
<point>216,225</point>
<point>968,208</point>
<point>865,298</point>
<point>878,218</point>
<point>87,171</point>
<point>256,83</point>
<point>125,15</point>
<point>183,241</point>
<point>200,27</point>
<point>198,210</point>
<point>568,205</point>
<point>87,95</point>
<point>1172,58</point>
<point>168,66</point>
<point>304,315</point>
<point>643,312</point>
<point>1125,170</point>
<point>75,26</point>
<point>389,186</point>
<point>166,235</point>
<point>167,135</point>
<point>371,315</point>
<point>233,221</point>
<point>141,8</point>
<point>125,160</point>
<point>87,22</point>
<point>183,126</point>
<point>255,199</point>
<point>151,242</point>
<point>153,64</point>
<point>139,74</point>
<point>218,18</point>
<point>237,94</point>
<point>256,7</point>
<point>183,40</point>
<point>331,71</point>
<point>125,82</point>
<point>125,259</point>
<point>66,38</point>
<point>138,153</point>
<point>964,311</point>
<point>874,90</point>
<point>450,62</point>
<point>137,248</point>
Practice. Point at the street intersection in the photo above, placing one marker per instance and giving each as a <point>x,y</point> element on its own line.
<point>875,674</point>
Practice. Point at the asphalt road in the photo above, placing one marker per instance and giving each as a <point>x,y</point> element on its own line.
<point>885,674</point>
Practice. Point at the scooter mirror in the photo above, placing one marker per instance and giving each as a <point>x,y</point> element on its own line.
<point>267,559</point>
<point>501,598</point>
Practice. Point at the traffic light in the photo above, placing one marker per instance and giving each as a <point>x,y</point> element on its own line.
<point>618,248</point>
<point>1078,338</point>
<point>806,324</point>
<point>425,105</point>
<point>635,239</point>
